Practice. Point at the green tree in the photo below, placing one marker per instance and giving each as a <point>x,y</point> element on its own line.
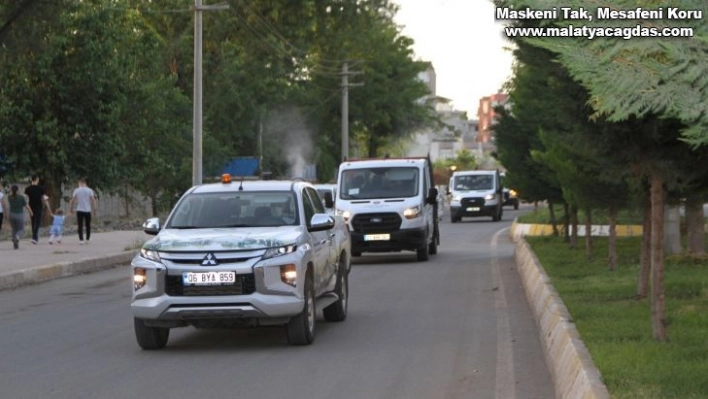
<point>658,79</point>
<point>63,98</point>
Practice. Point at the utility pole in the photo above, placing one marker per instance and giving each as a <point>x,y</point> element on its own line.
<point>345,108</point>
<point>345,112</point>
<point>197,118</point>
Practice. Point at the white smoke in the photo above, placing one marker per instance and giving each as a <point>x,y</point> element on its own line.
<point>289,128</point>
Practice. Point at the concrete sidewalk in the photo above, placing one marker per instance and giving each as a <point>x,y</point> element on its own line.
<point>32,264</point>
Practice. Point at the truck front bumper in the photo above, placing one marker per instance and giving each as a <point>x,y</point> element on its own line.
<point>254,306</point>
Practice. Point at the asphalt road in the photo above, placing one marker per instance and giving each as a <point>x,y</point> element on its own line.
<point>457,326</point>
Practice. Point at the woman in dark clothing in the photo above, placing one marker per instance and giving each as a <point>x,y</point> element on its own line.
<point>18,204</point>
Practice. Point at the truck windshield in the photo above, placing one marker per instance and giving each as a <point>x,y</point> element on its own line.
<point>237,209</point>
<point>473,182</point>
<point>371,183</point>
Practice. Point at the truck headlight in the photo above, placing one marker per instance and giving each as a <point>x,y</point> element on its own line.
<point>150,255</point>
<point>344,214</point>
<point>139,278</point>
<point>490,197</point>
<point>279,251</point>
<point>288,274</point>
<point>412,213</point>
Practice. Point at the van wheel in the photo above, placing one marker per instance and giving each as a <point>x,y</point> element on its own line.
<point>150,338</point>
<point>433,247</point>
<point>497,215</point>
<point>422,254</point>
<point>301,328</point>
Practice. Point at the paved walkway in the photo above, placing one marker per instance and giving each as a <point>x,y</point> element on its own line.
<point>36,263</point>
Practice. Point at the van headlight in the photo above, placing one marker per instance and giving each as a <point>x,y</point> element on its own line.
<point>279,251</point>
<point>456,198</point>
<point>490,197</point>
<point>344,214</point>
<point>412,213</point>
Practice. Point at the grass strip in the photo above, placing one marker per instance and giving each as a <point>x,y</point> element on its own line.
<point>616,327</point>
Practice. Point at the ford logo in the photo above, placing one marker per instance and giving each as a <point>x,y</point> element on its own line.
<point>376,220</point>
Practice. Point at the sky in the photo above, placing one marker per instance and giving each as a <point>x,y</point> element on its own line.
<point>463,42</point>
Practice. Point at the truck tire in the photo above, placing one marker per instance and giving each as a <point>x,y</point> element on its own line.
<point>338,310</point>
<point>301,328</point>
<point>516,205</point>
<point>150,338</point>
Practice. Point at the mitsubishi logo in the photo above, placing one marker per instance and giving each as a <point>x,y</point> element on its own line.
<point>209,260</point>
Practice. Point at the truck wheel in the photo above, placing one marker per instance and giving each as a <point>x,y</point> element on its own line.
<point>516,205</point>
<point>453,219</point>
<point>338,310</point>
<point>422,254</point>
<point>301,328</point>
<point>150,338</point>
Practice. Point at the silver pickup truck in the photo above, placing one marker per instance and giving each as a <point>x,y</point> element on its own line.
<point>242,253</point>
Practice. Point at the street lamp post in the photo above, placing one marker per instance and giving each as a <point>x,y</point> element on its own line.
<point>197,118</point>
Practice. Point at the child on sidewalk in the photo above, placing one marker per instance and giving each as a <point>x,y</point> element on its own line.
<point>57,228</point>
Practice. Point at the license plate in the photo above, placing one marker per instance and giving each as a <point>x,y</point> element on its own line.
<point>208,278</point>
<point>473,209</point>
<point>377,237</point>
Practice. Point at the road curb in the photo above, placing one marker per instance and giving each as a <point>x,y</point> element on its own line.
<point>53,271</point>
<point>572,369</point>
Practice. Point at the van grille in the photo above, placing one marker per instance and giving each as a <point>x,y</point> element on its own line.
<point>376,223</point>
<point>245,284</point>
<point>472,202</point>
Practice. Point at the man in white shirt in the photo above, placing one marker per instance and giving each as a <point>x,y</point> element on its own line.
<point>85,202</point>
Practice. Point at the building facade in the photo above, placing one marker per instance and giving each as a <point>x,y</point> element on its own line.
<point>486,115</point>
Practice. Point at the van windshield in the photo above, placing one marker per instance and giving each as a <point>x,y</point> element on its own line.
<point>473,182</point>
<point>370,183</point>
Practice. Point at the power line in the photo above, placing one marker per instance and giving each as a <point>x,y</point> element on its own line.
<point>274,30</point>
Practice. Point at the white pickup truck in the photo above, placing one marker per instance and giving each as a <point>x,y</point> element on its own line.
<point>242,253</point>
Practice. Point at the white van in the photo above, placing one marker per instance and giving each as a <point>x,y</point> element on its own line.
<point>390,205</point>
<point>476,193</point>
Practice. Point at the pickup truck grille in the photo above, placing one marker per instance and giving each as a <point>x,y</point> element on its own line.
<point>245,284</point>
<point>376,223</point>
<point>472,202</point>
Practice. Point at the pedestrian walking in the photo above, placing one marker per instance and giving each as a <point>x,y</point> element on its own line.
<point>85,202</point>
<point>57,228</point>
<point>3,207</point>
<point>18,204</point>
<point>36,195</point>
